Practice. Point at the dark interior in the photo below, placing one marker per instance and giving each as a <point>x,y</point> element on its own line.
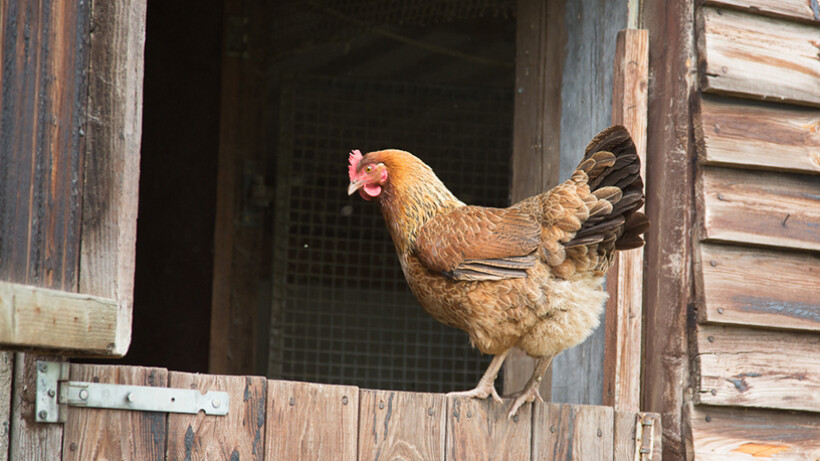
<point>338,76</point>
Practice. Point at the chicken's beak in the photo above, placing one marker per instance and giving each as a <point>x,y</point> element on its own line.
<point>354,186</point>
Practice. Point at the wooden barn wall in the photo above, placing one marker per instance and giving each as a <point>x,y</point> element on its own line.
<point>757,256</point>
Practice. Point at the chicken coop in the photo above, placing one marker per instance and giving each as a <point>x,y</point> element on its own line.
<point>182,275</point>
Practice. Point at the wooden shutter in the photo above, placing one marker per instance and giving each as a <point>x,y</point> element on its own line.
<point>70,129</point>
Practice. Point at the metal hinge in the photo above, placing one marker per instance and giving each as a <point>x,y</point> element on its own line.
<point>644,437</point>
<point>55,392</point>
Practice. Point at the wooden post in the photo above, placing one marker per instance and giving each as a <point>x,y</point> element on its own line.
<point>670,208</point>
<point>624,311</point>
<point>537,128</point>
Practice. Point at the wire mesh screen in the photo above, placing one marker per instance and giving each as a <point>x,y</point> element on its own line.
<point>342,310</point>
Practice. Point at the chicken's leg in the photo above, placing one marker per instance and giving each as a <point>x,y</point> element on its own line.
<point>485,385</point>
<point>530,392</point>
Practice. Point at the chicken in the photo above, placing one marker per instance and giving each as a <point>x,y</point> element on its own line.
<point>527,276</point>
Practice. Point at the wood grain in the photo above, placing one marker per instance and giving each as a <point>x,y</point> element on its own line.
<point>52,319</point>
<point>29,439</point>
<point>758,368</point>
<point>573,432</point>
<point>734,132</point>
<point>109,219</point>
<point>540,40</point>
<point>6,378</point>
<point>758,57</point>
<point>401,425</point>
<point>43,113</point>
<point>760,208</point>
<point>238,435</point>
<point>670,209</point>
<point>586,93</point>
<point>480,430</point>
<point>745,286</point>
<point>311,421</point>
<point>92,433</point>
<point>802,10</point>
<point>624,310</point>
<point>731,434</point>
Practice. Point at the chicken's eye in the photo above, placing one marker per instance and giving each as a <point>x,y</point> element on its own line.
<point>368,169</point>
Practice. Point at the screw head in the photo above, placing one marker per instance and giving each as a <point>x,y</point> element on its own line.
<point>130,397</point>
<point>42,367</point>
<point>600,433</point>
<point>292,401</point>
<point>344,400</point>
<point>84,394</point>
<point>430,411</point>
<point>708,419</point>
<point>469,414</point>
<point>720,310</point>
<point>553,429</point>
<point>216,403</point>
<point>43,414</point>
<point>381,405</point>
<point>713,392</point>
<point>51,393</point>
<point>515,418</point>
<point>711,339</point>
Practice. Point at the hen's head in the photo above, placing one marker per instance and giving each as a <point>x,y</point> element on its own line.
<point>367,175</point>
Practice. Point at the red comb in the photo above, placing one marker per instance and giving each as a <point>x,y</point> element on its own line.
<point>355,158</point>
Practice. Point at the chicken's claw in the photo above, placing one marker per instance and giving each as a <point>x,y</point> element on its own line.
<point>527,396</point>
<point>480,392</point>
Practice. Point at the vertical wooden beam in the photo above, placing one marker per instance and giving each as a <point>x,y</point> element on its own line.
<point>238,435</point>
<point>586,95</point>
<point>670,208</point>
<point>92,433</point>
<point>540,39</point>
<point>401,425</point>
<point>624,311</point>
<point>238,240</point>
<point>112,159</point>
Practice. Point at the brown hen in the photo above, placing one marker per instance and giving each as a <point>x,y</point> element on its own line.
<point>527,276</point>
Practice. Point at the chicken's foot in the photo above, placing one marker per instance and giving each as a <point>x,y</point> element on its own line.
<point>485,386</point>
<point>530,392</point>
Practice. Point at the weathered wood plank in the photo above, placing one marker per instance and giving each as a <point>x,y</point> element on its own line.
<point>758,57</point>
<point>728,434</point>
<point>734,132</point>
<point>573,432</point>
<point>745,286</point>
<point>480,430</point>
<point>43,101</point>
<point>793,9</point>
<point>109,219</point>
<point>624,310</point>
<point>38,317</point>
<point>540,40</point>
<point>238,435</point>
<point>586,92</point>
<point>29,439</point>
<point>623,436</point>
<point>311,421</point>
<point>6,378</point>
<point>670,208</point>
<point>92,433</point>
<point>758,368</point>
<point>401,425</point>
<point>757,207</point>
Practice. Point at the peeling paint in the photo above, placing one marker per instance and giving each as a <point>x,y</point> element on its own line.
<point>761,450</point>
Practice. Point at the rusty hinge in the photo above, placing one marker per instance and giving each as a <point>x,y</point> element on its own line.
<point>644,437</point>
<point>55,392</point>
